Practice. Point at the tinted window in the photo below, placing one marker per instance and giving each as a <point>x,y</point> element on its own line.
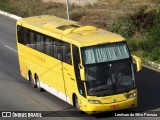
<point>48,45</point>
<point>20,34</point>
<point>39,42</point>
<point>31,42</point>
<point>26,37</point>
<point>67,53</point>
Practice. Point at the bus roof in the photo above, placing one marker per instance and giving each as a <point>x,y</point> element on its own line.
<point>71,30</point>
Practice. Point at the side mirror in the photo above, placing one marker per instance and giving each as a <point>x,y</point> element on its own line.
<point>82,73</point>
<point>138,63</point>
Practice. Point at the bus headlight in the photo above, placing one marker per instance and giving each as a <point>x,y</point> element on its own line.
<point>131,95</point>
<point>94,101</point>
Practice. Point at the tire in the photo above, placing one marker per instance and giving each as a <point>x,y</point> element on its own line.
<point>77,104</point>
<point>32,80</point>
<point>38,84</point>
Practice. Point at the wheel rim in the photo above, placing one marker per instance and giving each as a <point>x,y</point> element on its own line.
<point>32,80</point>
<point>30,76</point>
<point>77,104</point>
<point>38,83</point>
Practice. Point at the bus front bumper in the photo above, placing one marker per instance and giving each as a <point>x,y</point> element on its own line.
<point>98,108</point>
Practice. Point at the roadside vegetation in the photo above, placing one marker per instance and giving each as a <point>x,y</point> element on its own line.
<point>142,31</point>
<point>138,21</point>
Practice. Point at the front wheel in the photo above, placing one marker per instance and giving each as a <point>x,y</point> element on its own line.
<point>77,104</point>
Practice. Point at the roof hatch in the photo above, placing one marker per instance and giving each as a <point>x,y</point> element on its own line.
<point>80,29</point>
<point>67,29</point>
<point>64,27</point>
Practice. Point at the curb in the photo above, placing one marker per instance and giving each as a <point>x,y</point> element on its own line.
<point>152,65</point>
<point>151,68</point>
<point>10,15</point>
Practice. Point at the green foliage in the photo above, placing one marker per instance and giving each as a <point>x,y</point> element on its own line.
<point>144,19</point>
<point>5,6</point>
<point>143,32</point>
<point>133,44</point>
<point>154,34</point>
<point>140,22</point>
<point>153,40</point>
<point>156,53</point>
<point>147,45</point>
<point>123,26</point>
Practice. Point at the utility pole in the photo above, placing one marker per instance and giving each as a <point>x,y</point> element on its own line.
<point>67,4</point>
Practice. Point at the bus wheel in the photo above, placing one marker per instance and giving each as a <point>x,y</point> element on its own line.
<point>77,104</point>
<point>38,83</point>
<point>32,80</point>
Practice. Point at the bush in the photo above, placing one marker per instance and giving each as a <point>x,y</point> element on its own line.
<point>123,26</point>
<point>133,44</point>
<point>5,6</point>
<point>147,45</point>
<point>152,44</point>
<point>140,22</point>
<point>154,34</point>
<point>155,53</point>
<point>145,19</point>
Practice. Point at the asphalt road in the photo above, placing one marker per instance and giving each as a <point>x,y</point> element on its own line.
<point>16,94</point>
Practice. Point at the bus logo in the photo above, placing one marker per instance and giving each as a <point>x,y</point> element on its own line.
<point>114,100</point>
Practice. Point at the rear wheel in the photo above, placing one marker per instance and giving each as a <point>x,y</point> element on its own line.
<point>38,83</point>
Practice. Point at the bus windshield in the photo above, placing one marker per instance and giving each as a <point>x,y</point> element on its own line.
<point>108,69</point>
<point>105,53</point>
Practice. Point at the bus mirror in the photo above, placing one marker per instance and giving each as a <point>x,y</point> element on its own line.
<point>138,63</point>
<point>82,73</point>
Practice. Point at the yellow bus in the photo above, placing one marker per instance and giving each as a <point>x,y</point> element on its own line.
<point>89,68</point>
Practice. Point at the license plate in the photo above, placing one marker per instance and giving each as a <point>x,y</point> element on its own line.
<point>114,106</point>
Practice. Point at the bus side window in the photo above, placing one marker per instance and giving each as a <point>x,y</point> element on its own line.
<point>32,40</point>
<point>50,47</point>
<point>54,49</point>
<point>26,37</point>
<point>67,53</point>
<point>20,34</point>
<point>60,50</point>
<point>39,42</point>
<point>47,46</point>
